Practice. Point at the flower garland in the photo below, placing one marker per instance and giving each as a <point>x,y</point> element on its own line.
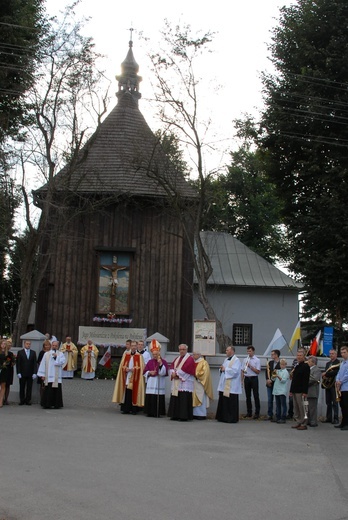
<point>111,319</point>
<point>103,345</point>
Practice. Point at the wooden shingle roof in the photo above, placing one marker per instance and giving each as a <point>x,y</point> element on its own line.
<point>123,157</point>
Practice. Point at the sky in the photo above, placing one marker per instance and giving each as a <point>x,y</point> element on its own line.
<point>231,73</point>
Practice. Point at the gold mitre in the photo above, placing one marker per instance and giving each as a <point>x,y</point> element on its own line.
<point>155,346</point>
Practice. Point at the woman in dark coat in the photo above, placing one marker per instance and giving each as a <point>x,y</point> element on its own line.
<point>7,361</point>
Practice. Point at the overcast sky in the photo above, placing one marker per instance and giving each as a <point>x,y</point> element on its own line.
<point>239,48</point>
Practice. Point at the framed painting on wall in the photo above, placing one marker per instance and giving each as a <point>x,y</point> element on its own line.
<point>113,283</point>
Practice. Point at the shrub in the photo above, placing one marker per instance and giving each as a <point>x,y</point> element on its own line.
<point>107,373</point>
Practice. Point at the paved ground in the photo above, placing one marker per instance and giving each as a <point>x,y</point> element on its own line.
<point>87,461</point>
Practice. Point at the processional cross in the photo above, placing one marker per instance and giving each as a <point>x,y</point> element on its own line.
<point>114,269</point>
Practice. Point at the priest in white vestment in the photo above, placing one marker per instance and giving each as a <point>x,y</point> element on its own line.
<point>70,352</point>
<point>50,371</point>
<point>230,386</point>
<point>89,354</point>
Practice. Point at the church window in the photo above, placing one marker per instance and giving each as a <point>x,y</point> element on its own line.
<point>242,334</point>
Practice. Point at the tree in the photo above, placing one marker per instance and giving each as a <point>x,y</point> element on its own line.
<point>63,100</point>
<point>177,96</point>
<point>11,283</point>
<point>171,147</point>
<point>243,202</point>
<point>304,131</point>
<point>22,26</point>
<point>9,201</point>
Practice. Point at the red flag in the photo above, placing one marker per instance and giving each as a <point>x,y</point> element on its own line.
<point>313,350</point>
<point>106,359</point>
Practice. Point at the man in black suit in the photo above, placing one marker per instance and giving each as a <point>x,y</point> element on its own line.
<point>26,371</point>
<point>299,389</point>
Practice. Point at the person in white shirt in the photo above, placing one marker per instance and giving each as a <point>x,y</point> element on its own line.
<point>250,378</point>
<point>144,352</point>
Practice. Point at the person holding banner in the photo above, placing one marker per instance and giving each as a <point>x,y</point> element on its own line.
<point>89,354</point>
<point>230,386</point>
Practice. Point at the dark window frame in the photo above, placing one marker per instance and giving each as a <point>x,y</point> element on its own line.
<point>244,337</point>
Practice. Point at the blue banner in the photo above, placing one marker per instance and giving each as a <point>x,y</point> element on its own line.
<point>327,340</point>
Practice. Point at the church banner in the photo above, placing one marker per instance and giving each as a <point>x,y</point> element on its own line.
<point>114,336</point>
<point>204,332</point>
<point>328,340</point>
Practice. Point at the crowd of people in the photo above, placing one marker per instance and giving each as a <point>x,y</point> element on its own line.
<point>53,363</point>
<point>140,383</point>
<point>191,386</point>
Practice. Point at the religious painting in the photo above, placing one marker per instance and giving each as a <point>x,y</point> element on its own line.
<point>113,287</point>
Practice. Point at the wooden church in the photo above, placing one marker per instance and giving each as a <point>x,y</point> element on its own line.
<point>122,254</point>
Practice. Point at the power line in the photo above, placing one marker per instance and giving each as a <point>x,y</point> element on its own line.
<point>300,99</point>
<point>5,47</point>
<point>314,116</point>
<point>309,138</point>
<point>9,91</point>
<point>8,66</point>
<point>20,26</point>
<point>312,79</point>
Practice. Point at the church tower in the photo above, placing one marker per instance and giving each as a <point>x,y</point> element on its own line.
<point>128,80</point>
<point>123,257</point>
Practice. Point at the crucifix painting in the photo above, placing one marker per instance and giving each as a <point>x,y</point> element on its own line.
<point>113,290</point>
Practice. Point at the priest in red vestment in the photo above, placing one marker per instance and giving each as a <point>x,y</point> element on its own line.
<point>129,387</point>
<point>182,375</point>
